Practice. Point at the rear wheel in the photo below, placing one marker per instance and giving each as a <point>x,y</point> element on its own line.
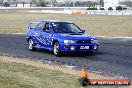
<point>56,49</point>
<point>31,45</point>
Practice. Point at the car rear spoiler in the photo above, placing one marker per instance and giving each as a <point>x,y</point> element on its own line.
<point>32,25</point>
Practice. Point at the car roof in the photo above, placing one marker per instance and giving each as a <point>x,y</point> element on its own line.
<point>56,21</point>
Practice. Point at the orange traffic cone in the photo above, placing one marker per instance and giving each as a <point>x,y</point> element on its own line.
<point>84,73</point>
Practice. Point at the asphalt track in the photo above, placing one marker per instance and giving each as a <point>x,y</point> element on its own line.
<point>114,56</point>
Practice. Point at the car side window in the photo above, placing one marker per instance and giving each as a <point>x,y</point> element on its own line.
<point>47,27</point>
<point>40,27</point>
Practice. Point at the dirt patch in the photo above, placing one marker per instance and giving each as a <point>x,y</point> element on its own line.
<point>53,66</point>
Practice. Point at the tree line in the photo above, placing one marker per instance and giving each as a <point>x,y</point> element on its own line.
<point>39,3</point>
<point>54,3</point>
<point>127,3</point>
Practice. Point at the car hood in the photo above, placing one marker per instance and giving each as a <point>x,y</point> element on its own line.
<point>74,36</point>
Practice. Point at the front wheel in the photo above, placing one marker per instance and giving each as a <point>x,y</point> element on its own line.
<point>56,49</point>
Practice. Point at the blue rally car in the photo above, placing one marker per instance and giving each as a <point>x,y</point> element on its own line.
<point>59,37</point>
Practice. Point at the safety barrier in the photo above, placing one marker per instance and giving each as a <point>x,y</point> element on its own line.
<point>68,10</point>
<point>79,12</point>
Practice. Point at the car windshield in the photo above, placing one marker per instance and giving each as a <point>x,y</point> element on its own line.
<point>63,27</point>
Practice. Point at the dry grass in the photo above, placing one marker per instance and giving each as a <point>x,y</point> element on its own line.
<point>16,75</point>
<point>22,73</point>
<point>94,24</point>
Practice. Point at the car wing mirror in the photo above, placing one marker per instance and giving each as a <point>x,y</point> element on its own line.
<point>30,27</point>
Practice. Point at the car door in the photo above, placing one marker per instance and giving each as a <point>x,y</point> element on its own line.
<point>40,39</point>
<point>47,35</point>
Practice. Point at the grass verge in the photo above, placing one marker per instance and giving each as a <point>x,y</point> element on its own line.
<point>18,73</point>
<point>93,24</point>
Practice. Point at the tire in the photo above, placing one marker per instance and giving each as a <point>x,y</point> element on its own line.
<point>56,49</point>
<point>31,45</point>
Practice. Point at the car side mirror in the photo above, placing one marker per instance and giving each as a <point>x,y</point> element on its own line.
<point>30,27</point>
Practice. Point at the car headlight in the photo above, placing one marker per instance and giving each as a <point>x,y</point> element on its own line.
<point>69,41</point>
<point>94,41</point>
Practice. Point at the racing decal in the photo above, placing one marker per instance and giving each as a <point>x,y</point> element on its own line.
<point>44,40</point>
<point>40,40</point>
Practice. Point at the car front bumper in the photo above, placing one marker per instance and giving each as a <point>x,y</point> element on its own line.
<point>79,47</point>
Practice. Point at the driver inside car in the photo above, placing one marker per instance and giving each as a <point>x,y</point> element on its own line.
<point>46,27</point>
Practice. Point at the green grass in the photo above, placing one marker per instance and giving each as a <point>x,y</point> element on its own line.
<point>94,24</point>
<point>14,75</point>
